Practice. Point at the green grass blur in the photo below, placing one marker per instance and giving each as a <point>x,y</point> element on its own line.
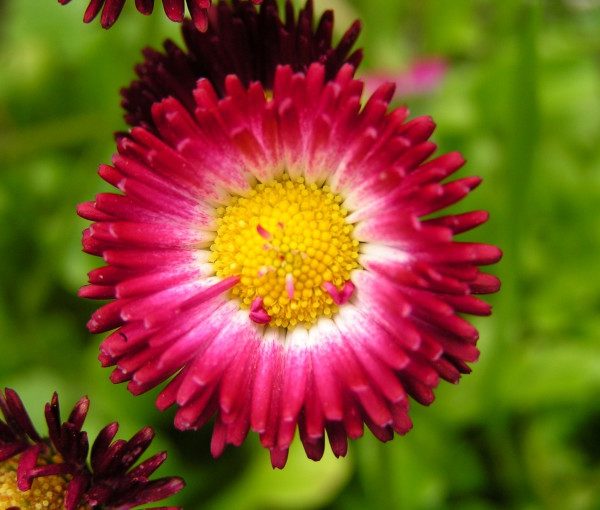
<point>521,100</point>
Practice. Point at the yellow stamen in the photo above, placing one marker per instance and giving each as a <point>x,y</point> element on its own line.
<point>46,493</point>
<point>285,239</point>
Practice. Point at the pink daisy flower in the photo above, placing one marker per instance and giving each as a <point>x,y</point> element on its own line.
<point>240,40</point>
<point>53,473</point>
<point>174,9</point>
<point>268,255</point>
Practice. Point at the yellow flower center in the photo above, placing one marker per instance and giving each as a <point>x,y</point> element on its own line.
<point>46,493</point>
<point>291,247</point>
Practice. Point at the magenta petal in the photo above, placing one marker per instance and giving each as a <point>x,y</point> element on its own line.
<point>27,463</point>
<point>75,490</point>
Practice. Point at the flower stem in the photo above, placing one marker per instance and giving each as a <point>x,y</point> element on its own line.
<point>521,127</point>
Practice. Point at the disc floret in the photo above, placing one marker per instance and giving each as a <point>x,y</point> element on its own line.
<point>47,493</point>
<point>291,246</point>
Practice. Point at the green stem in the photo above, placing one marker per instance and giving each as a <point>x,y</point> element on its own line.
<point>521,132</point>
<point>374,473</point>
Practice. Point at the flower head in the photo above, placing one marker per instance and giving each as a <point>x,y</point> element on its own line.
<point>270,253</point>
<point>240,40</point>
<point>174,9</point>
<point>53,473</point>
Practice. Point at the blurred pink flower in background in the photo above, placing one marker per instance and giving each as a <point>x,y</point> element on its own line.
<point>423,76</point>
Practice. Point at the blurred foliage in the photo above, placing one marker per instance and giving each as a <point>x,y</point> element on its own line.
<point>521,100</point>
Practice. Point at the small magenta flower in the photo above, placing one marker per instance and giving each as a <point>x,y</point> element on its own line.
<point>53,473</point>
<point>275,254</point>
<point>174,9</point>
<point>240,40</point>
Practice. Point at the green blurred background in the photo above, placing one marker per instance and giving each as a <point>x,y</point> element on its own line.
<point>521,99</point>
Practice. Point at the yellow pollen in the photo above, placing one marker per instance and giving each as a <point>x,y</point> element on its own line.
<point>284,240</point>
<point>46,493</point>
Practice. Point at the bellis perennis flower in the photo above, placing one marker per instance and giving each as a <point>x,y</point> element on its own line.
<point>269,254</point>
<point>240,40</point>
<point>174,9</point>
<point>53,473</point>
